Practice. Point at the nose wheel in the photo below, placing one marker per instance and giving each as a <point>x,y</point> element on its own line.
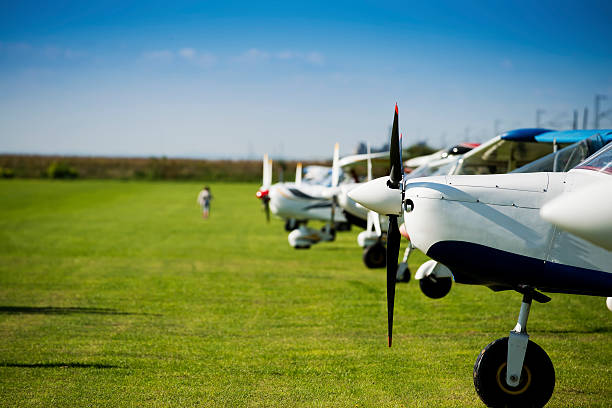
<point>514,371</point>
<point>536,384</point>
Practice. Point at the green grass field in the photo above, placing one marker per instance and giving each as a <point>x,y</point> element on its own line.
<point>119,294</point>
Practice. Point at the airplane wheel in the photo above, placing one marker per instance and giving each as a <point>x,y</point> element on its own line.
<point>375,256</point>
<point>537,378</point>
<point>343,226</point>
<point>403,273</point>
<point>302,247</point>
<point>435,288</point>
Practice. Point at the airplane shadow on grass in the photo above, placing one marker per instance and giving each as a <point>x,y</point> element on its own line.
<point>585,330</point>
<point>63,310</point>
<point>58,365</point>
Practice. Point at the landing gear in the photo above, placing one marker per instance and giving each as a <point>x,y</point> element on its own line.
<point>403,272</point>
<point>291,224</point>
<point>343,226</point>
<point>375,256</point>
<point>435,287</point>
<point>514,371</point>
<point>536,383</point>
<point>328,229</point>
<point>435,279</point>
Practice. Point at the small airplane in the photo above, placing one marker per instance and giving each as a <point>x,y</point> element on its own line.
<point>316,196</point>
<point>499,155</point>
<point>487,230</point>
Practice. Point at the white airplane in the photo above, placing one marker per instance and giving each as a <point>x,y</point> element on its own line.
<point>316,196</point>
<point>499,155</point>
<point>487,230</point>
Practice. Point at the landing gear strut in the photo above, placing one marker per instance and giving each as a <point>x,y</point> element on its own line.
<point>514,371</point>
<point>403,272</point>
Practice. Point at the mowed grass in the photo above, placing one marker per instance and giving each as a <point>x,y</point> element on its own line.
<point>119,294</point>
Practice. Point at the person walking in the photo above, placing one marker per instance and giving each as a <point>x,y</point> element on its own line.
<point>204,200</point>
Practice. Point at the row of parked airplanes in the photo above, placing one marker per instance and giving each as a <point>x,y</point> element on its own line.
<point>529,210</point>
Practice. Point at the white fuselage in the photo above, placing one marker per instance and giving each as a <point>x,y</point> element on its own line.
<point>302,202</point>
<point>475,225</point>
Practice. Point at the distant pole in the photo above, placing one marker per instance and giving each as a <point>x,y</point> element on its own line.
<point>585,117</point>
<point>539,113</point>
<point>596,118</point>
<point>575,122</point>
<point>496,125</point>
<point>598,115</point>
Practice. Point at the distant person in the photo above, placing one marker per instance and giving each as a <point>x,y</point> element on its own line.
<point>204,200</point>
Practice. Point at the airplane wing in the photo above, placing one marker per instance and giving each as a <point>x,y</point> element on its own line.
<point>356,158</point>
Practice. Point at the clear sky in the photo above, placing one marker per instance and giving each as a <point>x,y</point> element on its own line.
<point>237,79</point>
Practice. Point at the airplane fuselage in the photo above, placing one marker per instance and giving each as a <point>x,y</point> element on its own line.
<point>302,202</point>
<point>487,230</point>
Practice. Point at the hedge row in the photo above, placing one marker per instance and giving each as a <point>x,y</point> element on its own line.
<point>35,166</point>
<point>161,168</point>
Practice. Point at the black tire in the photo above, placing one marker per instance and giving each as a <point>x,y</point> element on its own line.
<point>302,247</point>
<point>435,288</point>
<point>537,378</point>
<point>406,277</point>
<point>375,256</point>
<point>343,226</point>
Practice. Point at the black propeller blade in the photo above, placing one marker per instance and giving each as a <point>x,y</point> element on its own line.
<point>393,234</point>
<point>332,222</point>
<point>395,154</point>
<point>393,246</point>
<point>266,201</point>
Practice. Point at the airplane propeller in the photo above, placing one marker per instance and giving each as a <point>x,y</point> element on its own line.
<point>384,195</point>
<point>335,179</point>
<point>393,234</point>
<point>298,174</point>
<point>263,192</point>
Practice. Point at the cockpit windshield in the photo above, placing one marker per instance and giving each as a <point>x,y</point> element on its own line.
<point>320,175</point>
<point>566,158</point>
<point>600,161</point>
<point>437,168</point>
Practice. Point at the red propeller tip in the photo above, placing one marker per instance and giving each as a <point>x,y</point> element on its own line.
<point>396,108</point>
<point>390,340</point>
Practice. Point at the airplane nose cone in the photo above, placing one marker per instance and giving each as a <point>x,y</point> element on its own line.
<point>377,196</point>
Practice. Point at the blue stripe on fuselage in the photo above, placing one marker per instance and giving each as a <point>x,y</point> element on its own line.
<point>481,265</point>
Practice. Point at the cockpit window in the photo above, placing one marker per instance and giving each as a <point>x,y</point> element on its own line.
<point>319,175</point>
<point>502,156</point>
<point>566,158</point>
<point>432,169</point>
<point>326,180</point>
<point>600,161</point>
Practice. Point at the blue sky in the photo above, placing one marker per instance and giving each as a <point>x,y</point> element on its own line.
<point>237,79</point>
